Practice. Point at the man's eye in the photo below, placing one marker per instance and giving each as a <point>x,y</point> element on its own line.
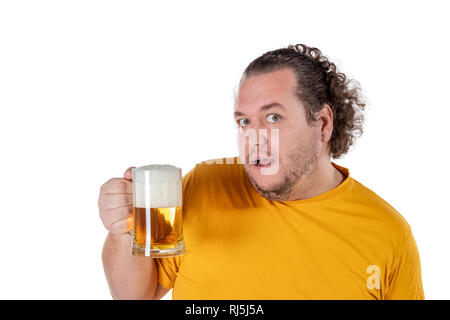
<point>273,117</point>
<point>243,122</point>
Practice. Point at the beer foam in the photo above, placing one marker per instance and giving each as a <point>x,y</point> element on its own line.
<point>157,186</point>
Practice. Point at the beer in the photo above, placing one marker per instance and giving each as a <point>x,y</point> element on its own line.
<point>164,233</point>
<point>157,212</point>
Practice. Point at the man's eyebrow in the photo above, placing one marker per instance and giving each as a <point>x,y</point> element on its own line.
<point>262,108</point>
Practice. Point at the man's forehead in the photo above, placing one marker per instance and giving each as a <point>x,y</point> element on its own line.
<point>262,89</point>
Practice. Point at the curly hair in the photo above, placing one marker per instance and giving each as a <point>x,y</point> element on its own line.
<point>319,83</point>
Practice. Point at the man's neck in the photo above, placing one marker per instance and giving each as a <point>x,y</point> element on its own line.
<point>322,178</point>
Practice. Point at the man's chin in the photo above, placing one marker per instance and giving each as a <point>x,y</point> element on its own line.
<point>270,192</point>
<point>272,187</point>
<point>264,183</point>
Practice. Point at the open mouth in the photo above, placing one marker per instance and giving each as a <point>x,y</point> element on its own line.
<point>261,163</point>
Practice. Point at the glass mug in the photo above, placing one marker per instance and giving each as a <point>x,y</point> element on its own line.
<point>157,211</point>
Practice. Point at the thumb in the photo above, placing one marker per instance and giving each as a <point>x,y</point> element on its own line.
<point>127,173</point>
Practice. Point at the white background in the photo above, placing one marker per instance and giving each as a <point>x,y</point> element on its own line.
<point>89,88</point>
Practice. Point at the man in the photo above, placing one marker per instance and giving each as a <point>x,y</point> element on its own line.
<point>306,230</point>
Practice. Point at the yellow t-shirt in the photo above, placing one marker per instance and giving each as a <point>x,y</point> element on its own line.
<point>346,243</point>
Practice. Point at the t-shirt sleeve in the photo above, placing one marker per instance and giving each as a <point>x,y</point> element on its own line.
<point>167,268</point>
<point>406,279</point>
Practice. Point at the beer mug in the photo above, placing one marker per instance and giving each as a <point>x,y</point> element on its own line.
<point>157,211</point>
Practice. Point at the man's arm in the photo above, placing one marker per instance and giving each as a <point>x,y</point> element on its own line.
<point>160,292</point>
<point>406,277</point>
<point>128,276</point>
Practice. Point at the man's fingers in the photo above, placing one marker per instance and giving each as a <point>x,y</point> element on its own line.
<point>110,216</point>
<point>117,185</point>
<point>127,173</point>
<point>122,226</point>
<point>115,200</point>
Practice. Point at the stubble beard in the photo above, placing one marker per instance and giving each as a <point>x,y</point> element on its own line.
<point>299,165</point>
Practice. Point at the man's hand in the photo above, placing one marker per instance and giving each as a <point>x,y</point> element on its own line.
<point>116,204</point>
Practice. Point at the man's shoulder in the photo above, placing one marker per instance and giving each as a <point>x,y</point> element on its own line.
<point>218,166</point>
<point>207,171</point>
<point>222,181</point>
<point>381,210</point>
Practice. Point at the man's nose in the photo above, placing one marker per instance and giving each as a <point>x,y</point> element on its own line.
<point>258,140</point>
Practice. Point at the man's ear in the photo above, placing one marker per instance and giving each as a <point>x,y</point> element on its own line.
<point>326,115</point>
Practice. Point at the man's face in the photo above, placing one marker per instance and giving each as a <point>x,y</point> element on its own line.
<point>298,145</point>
